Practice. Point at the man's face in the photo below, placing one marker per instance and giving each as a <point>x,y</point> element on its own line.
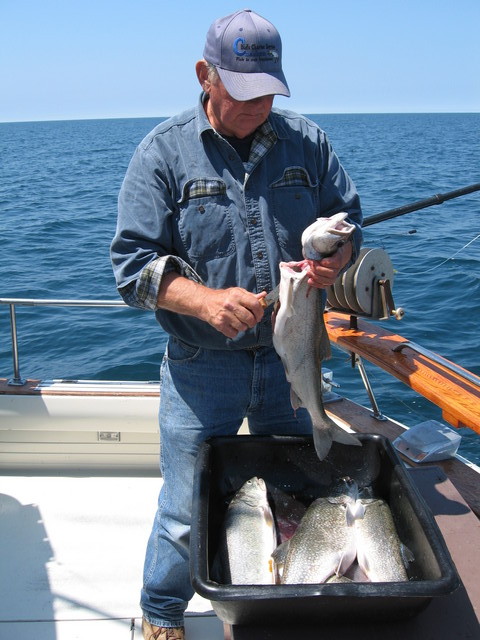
<point>231,117</point>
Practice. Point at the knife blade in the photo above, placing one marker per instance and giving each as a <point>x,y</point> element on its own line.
<point>271,297</point>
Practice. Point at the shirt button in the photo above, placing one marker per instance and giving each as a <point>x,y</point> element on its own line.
<point>260,255</point>
<point>254,221</point>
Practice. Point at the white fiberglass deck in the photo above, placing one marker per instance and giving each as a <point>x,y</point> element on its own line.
<point>71,556</point>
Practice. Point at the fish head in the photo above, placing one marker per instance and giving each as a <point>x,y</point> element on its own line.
<point>343,491</point>
<point>325,236</point>
<point>291,276</point>
<point>253,492</point>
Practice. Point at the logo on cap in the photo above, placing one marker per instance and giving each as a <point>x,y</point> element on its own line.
<point>241,48</point>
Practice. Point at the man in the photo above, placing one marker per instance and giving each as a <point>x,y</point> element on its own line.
<point>212,201</point>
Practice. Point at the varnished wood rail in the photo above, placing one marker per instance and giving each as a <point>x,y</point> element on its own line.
<point>457,396</point>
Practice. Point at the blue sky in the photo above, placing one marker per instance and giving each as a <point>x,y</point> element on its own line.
<point>74,59</point>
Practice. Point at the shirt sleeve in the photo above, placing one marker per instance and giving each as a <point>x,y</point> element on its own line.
<point>143,292</point>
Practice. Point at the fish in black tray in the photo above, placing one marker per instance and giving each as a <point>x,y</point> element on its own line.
<point>247,539</point>
<point>380,553</point>
<point>324,544</point>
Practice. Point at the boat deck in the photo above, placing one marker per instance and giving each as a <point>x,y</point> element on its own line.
<point>72,544</point>
<point>71,551</point>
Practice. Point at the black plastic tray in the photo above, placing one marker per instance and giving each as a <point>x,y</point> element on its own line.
<point>291,464</point>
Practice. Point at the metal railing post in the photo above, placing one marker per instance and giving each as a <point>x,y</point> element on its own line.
<point>16,380</point>
<point>37,302</point>
<point>377,414</point>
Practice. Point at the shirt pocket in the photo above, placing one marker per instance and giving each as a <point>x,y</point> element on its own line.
<point>294,198</point>
<point>205,223</point>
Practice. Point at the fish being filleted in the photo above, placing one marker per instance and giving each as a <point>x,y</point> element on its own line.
<point>247,539</point>
<point>300,336</point>
<point>324,544</point>
<point>380,553</point>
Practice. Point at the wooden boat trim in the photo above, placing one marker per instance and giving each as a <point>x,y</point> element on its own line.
<point>457,396</point>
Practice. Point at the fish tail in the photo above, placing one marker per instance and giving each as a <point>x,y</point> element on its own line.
<point>323,438</point>
<point>344,437</point>
<point>346,559</point>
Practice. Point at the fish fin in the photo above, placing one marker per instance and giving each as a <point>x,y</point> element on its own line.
<point>346,559</point>
<point>325,346</point>
<point>407,555</point>
<point>343,437</point>
<point>295,400</point>
<point>287,301</point>
<point>280,553</point>
<point>278,559</point>
<point>355,511</point>
<point>322,440</point>
<point>363,562</point>
<point>268,517</point>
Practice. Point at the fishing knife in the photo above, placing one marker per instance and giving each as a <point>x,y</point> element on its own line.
<point>271,297</point>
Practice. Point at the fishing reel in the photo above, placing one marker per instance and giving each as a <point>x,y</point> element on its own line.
<point>365,289</point>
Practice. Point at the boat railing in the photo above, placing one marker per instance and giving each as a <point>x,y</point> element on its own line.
<point>12,303</point>
<point>463,373</point>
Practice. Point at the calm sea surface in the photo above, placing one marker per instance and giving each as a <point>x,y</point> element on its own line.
<point>58,188</point>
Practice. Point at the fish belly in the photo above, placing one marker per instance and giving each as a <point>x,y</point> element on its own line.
<point>247,538</point>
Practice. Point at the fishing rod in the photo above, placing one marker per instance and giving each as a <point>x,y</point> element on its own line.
<point>420,204</point>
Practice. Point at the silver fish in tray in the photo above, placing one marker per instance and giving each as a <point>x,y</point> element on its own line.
<point>324,544</point>
<point>247,539</point>
<point>300,337</point>
<point>380,553</point>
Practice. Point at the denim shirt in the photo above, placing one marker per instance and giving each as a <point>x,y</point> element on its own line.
<point>190,204</point>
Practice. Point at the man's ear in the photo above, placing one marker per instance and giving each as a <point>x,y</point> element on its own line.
<point>201,69</point>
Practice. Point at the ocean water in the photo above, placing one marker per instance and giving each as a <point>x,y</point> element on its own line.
<point>58,192</point>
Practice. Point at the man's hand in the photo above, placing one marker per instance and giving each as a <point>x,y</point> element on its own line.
<point>233,310</point>
<point>230,311</point>
<point>323,273</point>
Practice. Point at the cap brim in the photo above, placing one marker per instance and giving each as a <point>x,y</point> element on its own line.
<point>248,86</point>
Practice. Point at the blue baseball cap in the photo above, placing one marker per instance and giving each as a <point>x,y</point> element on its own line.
<point>246,49</point>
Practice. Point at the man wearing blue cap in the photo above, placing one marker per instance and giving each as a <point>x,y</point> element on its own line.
<point>212,201</point>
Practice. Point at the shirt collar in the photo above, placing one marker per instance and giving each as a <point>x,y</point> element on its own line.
<point>203,121</point>
<point>264,133</point>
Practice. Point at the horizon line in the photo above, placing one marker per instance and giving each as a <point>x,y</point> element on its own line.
<point>304,113</point>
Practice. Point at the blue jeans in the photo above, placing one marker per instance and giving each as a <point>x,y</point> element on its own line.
<point>204,393</point>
